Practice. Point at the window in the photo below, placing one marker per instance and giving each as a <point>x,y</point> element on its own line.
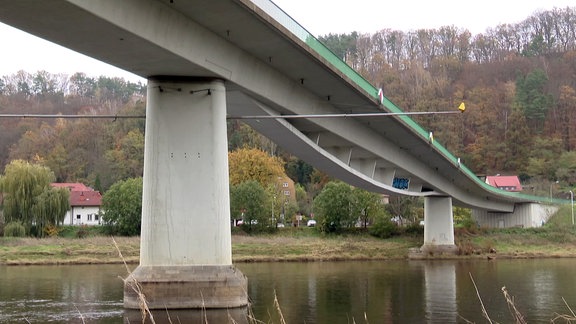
<point>287,192</point>
<point>89,217</point>
<point>78,216</point>
<point>285,185</point>
<point>96,217</point>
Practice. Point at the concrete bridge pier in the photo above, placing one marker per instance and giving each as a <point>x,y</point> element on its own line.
<point>438,225</point>
<point>186,252</point>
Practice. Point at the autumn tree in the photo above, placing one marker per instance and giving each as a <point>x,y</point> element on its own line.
<point>252,164</point>
<point>126,158</point>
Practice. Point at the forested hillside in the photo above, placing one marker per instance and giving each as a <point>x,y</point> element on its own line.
<point>518,82</point>
<point>98,152</point>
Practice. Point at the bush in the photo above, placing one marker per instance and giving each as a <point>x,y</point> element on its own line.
<point>51,230</point>
<point>414,229</point>
<point>14,229</point>
<point>258,229</point>
<point>384,229</point>
<point>82,232</point>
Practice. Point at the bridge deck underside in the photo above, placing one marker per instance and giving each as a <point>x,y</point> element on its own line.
<point>265,61</point>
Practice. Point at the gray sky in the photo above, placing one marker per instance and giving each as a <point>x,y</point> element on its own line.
<point>319,17</point>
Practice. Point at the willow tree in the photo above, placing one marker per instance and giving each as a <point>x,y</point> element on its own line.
<point>50,207</point>
<point>23,185</point>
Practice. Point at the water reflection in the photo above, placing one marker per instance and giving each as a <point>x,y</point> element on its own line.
<point>60,294</point>
<point>440,295</point>
<point>316,292</point>
<point>336,292</point>
<point>234,315</point>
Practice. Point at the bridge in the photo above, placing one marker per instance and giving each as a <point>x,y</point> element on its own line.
<point>207,61</point>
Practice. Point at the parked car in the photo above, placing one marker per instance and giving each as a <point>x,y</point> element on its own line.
<point>311,223</point>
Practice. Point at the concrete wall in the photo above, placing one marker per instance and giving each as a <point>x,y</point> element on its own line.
<point>524,215</point>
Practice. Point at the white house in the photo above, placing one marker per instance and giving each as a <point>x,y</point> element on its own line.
<point>84,204</point>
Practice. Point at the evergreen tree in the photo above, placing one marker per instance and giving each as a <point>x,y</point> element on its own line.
<point>532,98</point>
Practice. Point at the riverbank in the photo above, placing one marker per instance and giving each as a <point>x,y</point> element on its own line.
<point>299,245</point>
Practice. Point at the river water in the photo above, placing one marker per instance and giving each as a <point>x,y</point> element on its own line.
<point>315,292</point>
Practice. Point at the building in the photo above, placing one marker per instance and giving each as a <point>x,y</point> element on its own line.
<point>508,183</point>
<point>85,204</point>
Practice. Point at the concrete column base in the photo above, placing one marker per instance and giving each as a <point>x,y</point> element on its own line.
<point>434,249</point>
<point>186,287</point>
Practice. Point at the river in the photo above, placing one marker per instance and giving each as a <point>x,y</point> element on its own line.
<point>315,292</point>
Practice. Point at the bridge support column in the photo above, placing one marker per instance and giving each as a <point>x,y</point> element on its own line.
<point>438,225</point>
<point>186,252</point>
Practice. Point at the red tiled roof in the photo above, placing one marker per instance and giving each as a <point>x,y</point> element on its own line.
<point>80,194</point>
<point>72,186</point>
<point>85,198</point>
<point>505,182</point>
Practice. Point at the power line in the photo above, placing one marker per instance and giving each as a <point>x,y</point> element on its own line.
<point>353,115</point>
<point>70,116</point>
<point>378,114</point>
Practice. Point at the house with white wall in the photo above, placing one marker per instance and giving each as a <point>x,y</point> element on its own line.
<point>85,204</point>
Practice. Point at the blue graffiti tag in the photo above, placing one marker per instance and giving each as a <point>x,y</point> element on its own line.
<point>401,183</point>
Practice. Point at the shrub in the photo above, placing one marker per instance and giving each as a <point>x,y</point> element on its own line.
<point>414,229</point>
<point>384,229</point>
<point>51,230</point>
<point>68,231</point>
<point>14,229</point>
<point>82,232</point>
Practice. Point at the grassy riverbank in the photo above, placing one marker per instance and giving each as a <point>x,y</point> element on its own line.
<point>556,239</point>
<point>304,245</point>
<point>287,246</point>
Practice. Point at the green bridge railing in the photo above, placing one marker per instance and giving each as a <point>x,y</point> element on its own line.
<point>283,18</point>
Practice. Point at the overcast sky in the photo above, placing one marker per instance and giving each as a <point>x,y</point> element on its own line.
<point>21,51</point>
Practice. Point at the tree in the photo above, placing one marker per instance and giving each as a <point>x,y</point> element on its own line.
<point>366,205</point>
<point>299,171</point>
<point>253,164</point>
<point>82,86</point>
<point>302,199</point>
<point>342,45</point>
<point>248,201</point>
<point>532,97</point>
<point>566,170</point>
<point>50,208</point>
<point>126,159</point>
<point>122,207</point>
<point>24,186</point>
<point>401,208</point>
<point>334,207</point>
